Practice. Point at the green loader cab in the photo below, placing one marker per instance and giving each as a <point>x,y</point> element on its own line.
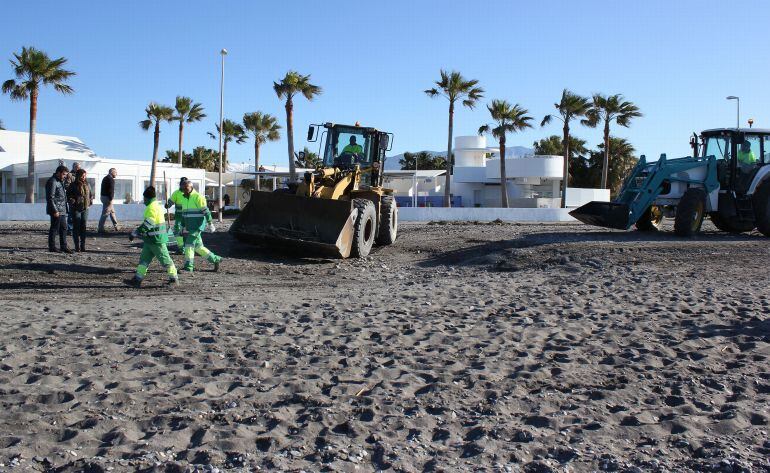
<point>727,178</point>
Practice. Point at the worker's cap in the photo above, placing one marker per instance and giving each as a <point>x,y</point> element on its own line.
<point>149,193</point>
<point>184,182</point>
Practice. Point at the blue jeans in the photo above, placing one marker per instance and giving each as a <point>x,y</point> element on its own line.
<point>79,220</point>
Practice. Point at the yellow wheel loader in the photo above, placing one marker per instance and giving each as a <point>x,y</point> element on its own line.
<point>339,209</point>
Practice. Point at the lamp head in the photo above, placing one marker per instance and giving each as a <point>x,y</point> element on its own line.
<point>731,97</point>
<point>223,52</point>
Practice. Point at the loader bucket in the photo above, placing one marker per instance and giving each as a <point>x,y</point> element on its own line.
<point>604,214</point>
<point>310,225</point>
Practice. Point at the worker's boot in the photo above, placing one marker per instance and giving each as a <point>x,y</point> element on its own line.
<point>188,266</point>
<point>174,281</point>
<point>134,282</point>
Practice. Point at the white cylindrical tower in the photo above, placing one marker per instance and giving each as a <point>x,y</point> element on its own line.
<point>469,151</point>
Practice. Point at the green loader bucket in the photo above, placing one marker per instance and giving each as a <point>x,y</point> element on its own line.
<point>604,214</point>
<point>310,225</point>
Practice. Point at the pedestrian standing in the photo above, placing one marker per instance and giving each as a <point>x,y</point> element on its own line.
<point>155,235</point>
<point>56,208</point>
<point>80,199</point>
<point>107,195</point>
<point>67,183</point>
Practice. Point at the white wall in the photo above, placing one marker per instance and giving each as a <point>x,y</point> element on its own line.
<point>482,214</point>
<point>36,212</point>
<point>543,167</point>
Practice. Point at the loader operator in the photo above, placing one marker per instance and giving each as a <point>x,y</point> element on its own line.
<point>153,232</point>
<point>195,218</point>
<point>175,201</point>
<point>745,154</point>
<point>355,149</point>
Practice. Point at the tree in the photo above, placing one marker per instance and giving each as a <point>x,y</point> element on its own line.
<point>231,131</point>
<point>554,146</point>
<point>422,160</point>
<point>292,84</point>
<point>186,112</point>
<point>2,127</point>
<point>33,69</point>
<point>621,161</point>
<point>453,86</point>
<point>508,119</point>
<point>263,127</point>
<point>156,113</point>
<point>608,109</point>
<point>571,106</point>
<point>311,160</point>
<point>201,158</point>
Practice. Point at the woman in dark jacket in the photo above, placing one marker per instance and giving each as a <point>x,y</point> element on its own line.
<point>80,199</point>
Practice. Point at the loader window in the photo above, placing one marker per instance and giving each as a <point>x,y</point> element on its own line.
<point>350,148</point>
<point>717,146</point>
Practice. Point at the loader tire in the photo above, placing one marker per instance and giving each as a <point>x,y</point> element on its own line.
<point>364,228</point>
<point>730,225</point>
<point>690,212</point>
<point>761,201</point>
<point>386,234</point>
<point>650,220</point>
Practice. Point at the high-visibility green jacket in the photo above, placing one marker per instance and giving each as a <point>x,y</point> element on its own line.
<point>353,149</point>
<point>194,211</point>
<point>747,158</point>
<point>175,200</point>
<point>153,229</point>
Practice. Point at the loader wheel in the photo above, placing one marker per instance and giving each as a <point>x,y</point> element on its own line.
<point>762,208</point>
<point>650,220</point>
<point>689,212</point>
<point>730,225</point>
<point>388,221</point>
<point>364,227</point>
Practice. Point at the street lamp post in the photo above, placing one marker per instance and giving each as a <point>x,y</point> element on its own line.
<point>223,53</point>
<point>738,101</point>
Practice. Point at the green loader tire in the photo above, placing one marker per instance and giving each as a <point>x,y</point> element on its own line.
<point>690,212</point>
<point>761,201</point>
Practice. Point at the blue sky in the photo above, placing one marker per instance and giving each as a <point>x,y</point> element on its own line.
<point>677,60</point>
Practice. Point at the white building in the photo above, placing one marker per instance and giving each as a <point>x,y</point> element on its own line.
<point>53,150</point>
<point>533,181</point>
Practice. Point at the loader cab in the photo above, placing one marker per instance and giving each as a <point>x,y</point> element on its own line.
<point>740,153</point>
<point>348,146</point>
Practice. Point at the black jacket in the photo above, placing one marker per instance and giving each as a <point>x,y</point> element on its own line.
<point>55,196</point>
<point>79,197</point>
<point>108,187</point>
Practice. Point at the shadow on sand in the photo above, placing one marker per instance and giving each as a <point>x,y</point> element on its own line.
<point>61,267</point>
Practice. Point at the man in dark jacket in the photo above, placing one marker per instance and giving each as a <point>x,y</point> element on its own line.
<point>107,195</point>
<point>56,208</point>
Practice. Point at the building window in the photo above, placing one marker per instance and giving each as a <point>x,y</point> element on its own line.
<point>124,190</point>
<point>160,188</point>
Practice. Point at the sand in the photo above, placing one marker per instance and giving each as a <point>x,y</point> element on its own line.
<point>464,347</point>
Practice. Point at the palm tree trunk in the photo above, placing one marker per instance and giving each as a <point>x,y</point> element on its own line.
<point>606,161</point>
<point>181,133</point>
<point>290,138</point>
<point>503,179</point>
<point>224,155</point>
<point>156,141</point>
<point>448,182</point>
<point>256,164</point>
<point>30,185</point>
<point>565,179</point>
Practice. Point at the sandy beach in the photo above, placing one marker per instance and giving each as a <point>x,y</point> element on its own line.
<point>463,347</point>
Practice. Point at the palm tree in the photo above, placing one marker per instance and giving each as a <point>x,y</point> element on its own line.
<point>156,113</point>
<point>231,131</point>
<point>263,127</point>
<point>292,84</point>
<point>454,87</point>
<point>186,112</point>
<point>571,106</point>
<point>607,109</point>
<point>2,127</point>
<point>32,69</point>
<point>508,119</point>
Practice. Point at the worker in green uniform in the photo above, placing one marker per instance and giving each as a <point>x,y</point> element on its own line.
<point>745,154</point>
<point>196,218</point>
<point>153,232</point>
<point>353,148</point>
<point>178,215</point>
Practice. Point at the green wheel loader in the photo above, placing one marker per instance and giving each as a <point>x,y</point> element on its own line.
<point>727,179</point>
